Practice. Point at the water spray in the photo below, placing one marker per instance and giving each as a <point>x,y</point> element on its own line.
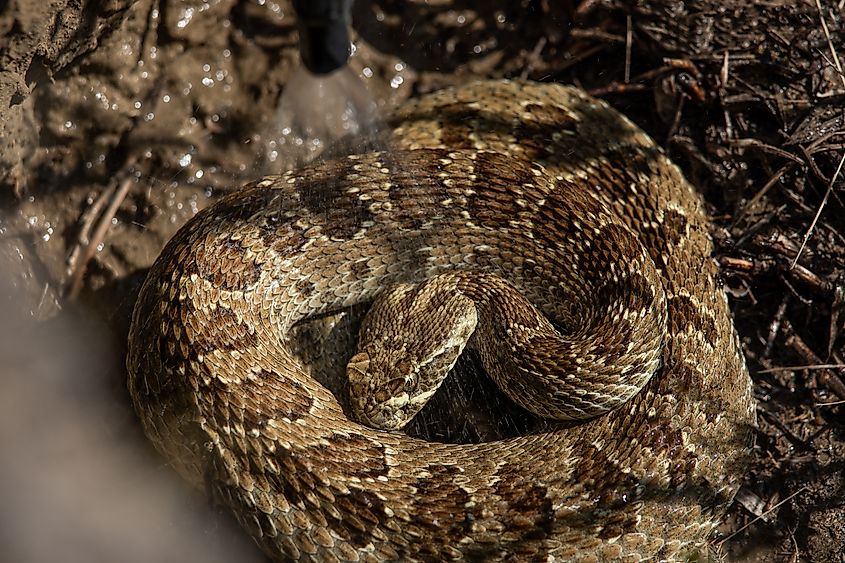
<point>324,101</point>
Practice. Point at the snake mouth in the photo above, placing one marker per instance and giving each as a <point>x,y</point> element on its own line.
<point>388,384</point>
<point>388,415</point>
<point>394,412</point>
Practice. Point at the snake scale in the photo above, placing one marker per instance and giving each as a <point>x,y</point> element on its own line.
<point>508,179</point>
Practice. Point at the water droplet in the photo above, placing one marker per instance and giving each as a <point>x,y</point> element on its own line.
<point>187,16</point>
<point>185,160</point>
<point>199,174</point>
<point>367,71</point>
<point>396,81</point>
<point>207,82</point>
<point>206,67</point>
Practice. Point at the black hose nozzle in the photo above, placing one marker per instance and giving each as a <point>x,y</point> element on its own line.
<point>323,33</point>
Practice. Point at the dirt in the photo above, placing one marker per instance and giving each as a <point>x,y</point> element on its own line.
<point>120,120</point>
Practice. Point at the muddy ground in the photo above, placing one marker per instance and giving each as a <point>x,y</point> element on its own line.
<point>120,120</point>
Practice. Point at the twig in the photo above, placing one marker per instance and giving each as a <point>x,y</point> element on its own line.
<point>97,237</point>
<point>811,164</point>
<point>723,88</point>
<point>585,8</point>
<point>832,403</point>
<point>676,121</point>
<point>582,56</point>
<point>629,34</point>
<point>795,368</point>
<point>723,73</point>
<point>579,33</point>
<point>617,88</point>
<point>774,327</point>
<point>533,57</point>
<point>759,195</point>
<point>86,222</point>
<point>765,147</point>
<point>810,279</point>
<point>830,43</point>
<point>819,212</point>
<point>825,377</point>
<point>832,65</point>
<point>775,507</point>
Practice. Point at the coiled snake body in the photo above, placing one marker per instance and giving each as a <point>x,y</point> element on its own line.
<point>520,181</point>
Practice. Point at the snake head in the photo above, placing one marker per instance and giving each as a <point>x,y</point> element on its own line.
<point>381,383</point>
<point>408,343</point>
<point>388,388</point>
